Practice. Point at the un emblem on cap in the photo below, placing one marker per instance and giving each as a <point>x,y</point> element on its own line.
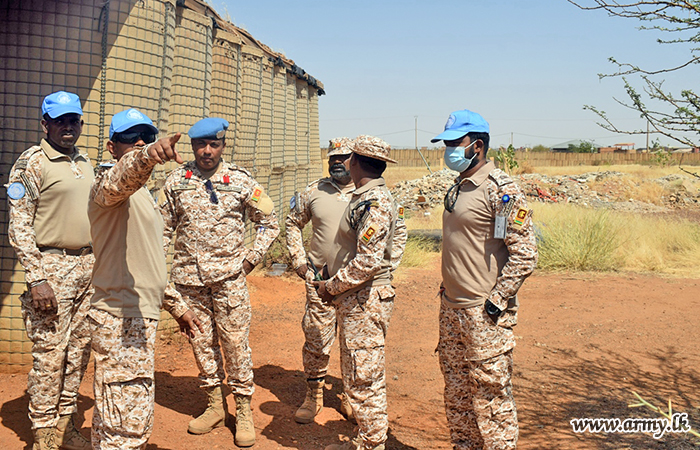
<point>134,115</point>
<point>63,98</point>
<point>450,121</point>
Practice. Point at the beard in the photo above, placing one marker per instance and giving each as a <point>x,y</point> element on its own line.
<point>339,173</point>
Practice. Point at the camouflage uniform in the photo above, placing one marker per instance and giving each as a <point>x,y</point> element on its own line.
<point>361,282</point>
<point>320,203</point>
<point>61,339</point>
<point>126,309</point>
<point>476,355</point>
<point>208,258</point>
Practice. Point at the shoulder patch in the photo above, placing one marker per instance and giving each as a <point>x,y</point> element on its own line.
<point>16,190</point>
<point>400,212</point>
<point>369,233</point>
<point>293,202</point>
<point>520,217</point>
<point>257,193</point>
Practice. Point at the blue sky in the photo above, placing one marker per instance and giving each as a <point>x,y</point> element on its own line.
<point>527,66</point>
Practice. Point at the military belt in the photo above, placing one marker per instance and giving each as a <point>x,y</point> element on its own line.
<point>66,251</point>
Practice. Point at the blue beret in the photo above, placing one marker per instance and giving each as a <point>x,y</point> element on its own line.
<point>209,128</point>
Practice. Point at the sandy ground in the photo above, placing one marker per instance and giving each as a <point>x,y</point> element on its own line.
<point>584,343</point>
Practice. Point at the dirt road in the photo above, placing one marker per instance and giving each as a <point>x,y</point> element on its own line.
<point>584,343</point>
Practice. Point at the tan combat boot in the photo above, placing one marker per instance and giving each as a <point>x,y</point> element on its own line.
<point>67,437</point>
<point>313,403</point>
<point>346,409</point>
<point>214,416</point>
<point>45,439</point>
<point>245,430</point>
<point>355,444</point>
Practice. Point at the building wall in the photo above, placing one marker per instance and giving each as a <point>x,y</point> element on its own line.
<point>177,64</point>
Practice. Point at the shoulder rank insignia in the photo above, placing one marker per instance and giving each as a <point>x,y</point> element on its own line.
<point>369,233</point>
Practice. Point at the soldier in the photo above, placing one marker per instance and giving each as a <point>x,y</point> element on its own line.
<point>489,249</point>
<point>361,291</point>
<point>130,279</point>
<point>206,203</point>
<point>323,203</point>
<point>49,229</point>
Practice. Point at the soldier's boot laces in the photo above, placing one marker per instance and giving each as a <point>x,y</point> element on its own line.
<point>68,437</point>
<point>45,439</point>
<point>245,430</point>
<point>346,409</point>
<point>313,403</point>
<point>355,444</point>
<point>214,416</point>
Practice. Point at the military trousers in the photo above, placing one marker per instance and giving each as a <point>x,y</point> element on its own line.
<point>479,400</point>
<point>124,351</point>
<point>224,311</point>
<point>319,326</point>
<point>60,338</point>
<point>363,321</point>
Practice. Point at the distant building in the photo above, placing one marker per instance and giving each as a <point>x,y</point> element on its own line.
<point>618,148</point>
<point>564,146</point>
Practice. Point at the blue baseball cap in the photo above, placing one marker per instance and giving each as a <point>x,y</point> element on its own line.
<point>460,123</point>
<point>209,128</point>
<point>60,103</point>
<point>124,120</point>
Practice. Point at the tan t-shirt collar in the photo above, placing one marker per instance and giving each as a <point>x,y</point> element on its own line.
<point>372,184</point>
<point>481,175</point>
<point>54,154</point>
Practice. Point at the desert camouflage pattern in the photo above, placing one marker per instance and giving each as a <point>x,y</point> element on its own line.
<point>339,146</point>
<point>364,255</point>
<point>478,393</point>
<point>209,239</point>
<point>364,303</point>
<point>224,311</point>
<point>322,203</point>
<point>363,319</point>
<point>124,351</point>
<point>60,339</point>
<point>116,184</point>
<point>28,170</point>
<point>521,243</point>
<point>398,244</point>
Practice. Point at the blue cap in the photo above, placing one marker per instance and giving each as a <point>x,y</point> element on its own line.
<point>60,103</point>
<point>124,120</point>
<point>460,123</point>
<point>209,128</point>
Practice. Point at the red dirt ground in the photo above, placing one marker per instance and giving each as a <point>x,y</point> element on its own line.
<point>584,343</point>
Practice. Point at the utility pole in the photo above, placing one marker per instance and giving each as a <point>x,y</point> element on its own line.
<point>415,129</point>
<point>647,136</point>
<point>419,152</point>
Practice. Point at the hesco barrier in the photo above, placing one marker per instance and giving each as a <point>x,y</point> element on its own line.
<point>178,62</point>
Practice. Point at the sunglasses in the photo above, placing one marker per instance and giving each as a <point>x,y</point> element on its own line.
<point>212,193</point>
<point>134,136</point>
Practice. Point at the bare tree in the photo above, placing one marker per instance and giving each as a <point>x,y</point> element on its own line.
<point>676,116</point>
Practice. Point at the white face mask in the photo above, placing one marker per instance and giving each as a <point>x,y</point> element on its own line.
<point>455,159</point>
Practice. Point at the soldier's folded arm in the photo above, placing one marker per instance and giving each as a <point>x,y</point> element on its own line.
<point>522,249</point>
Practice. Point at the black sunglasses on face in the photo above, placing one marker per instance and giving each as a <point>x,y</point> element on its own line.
<point>134,136</point>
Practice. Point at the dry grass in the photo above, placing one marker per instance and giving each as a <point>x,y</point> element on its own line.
<point>394,174</point>
<point>425,220</point>
<point>572,237</point>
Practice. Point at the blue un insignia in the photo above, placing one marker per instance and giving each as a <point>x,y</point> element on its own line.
<point>16,190</point>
